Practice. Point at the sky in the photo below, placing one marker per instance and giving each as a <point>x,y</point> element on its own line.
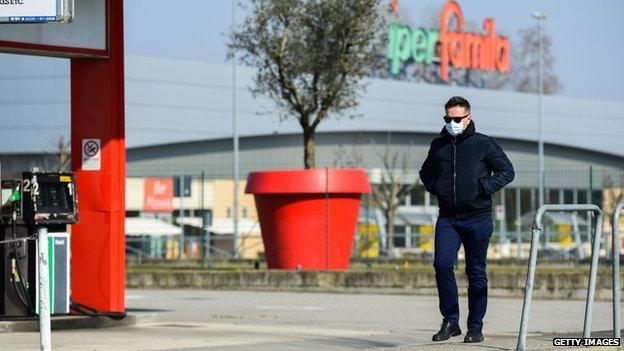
<point>588,44</point>
<point>588,36</point>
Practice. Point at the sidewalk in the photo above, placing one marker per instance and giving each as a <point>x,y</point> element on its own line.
<point>193,320</point>
<point>227,336</point>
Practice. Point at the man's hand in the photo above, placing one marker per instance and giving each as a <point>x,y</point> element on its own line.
<point>503,172</point>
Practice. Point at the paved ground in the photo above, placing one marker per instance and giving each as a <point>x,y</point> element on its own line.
<point>245,320</point>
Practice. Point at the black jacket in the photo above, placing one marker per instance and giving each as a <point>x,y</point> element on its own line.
<point>464,171</point>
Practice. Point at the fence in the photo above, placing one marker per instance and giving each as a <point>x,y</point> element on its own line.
<point>205,214</point>
<point>201,221</point>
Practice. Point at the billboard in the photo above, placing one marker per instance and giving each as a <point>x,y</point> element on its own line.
<point>158,195</point>
<point>487,51</point>
<point>36,11</point>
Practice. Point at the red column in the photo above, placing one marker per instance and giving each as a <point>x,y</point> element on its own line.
<point>97,112</point>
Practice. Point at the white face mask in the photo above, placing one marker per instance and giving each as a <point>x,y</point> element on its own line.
<point>454,128</point>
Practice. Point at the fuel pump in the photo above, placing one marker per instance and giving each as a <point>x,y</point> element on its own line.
<point>30,201</point>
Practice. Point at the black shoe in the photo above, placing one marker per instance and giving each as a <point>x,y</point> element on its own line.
<point>473,335</point>
<point>447,329</point>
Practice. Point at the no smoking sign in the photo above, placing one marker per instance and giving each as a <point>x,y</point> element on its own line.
<point>91,154</point>
<point>91,148</point>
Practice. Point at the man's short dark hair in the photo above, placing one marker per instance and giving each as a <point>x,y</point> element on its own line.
<point>457,101</point>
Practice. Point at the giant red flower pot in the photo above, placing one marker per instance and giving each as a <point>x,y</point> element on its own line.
<point>308,217</point>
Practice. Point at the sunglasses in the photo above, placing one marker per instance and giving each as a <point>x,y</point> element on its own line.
<point>448,119</point>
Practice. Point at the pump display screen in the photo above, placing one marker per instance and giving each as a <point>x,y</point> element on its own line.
<point>54,198</point>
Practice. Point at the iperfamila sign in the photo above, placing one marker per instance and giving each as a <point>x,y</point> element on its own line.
<point>451,47</point>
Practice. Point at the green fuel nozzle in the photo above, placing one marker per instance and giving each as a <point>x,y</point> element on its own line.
<point>15,195</point>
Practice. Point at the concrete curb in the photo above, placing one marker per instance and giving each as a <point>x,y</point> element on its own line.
<point>78,322</point>
<point>561,285</point>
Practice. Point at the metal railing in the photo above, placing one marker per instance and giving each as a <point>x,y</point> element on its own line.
<point>593,269</point>
<point>615,224</point>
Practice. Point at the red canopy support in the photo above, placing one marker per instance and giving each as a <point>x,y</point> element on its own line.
<point>97,112</point>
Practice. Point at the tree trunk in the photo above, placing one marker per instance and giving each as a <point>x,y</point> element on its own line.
<point>308,148</point>
<point>390,216</point>
<point>63,154</point>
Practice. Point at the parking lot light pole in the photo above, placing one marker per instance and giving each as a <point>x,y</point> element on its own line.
<point>235,141</point>
<point>540,17</point>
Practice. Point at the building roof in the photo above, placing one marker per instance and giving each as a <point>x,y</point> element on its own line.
<point>160,89</point>
<point>171,100</point>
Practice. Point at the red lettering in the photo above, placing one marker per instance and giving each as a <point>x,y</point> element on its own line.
<point>502,54</point>
<point>470,50</point>
<point>489,38</point>
<point>474,46</point>
<point>450,8</point>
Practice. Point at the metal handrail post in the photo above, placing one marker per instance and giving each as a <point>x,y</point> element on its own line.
<point>528,292</point>
<point>593,272</point>
<point>615,224</point>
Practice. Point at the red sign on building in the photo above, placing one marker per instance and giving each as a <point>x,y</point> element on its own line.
<point>158,195</point>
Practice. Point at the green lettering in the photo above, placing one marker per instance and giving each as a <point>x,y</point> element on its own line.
<point>432,40</point>
<point>391,41</point>
<point>419,45</point>
<point>404,43</point>
<point>398,46</point>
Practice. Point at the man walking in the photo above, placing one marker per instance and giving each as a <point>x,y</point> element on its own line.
<point>463,169</point>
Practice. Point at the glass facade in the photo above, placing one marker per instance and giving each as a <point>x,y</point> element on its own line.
<point>519,204</point>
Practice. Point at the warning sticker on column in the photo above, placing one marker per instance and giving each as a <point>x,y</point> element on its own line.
<point>91,154</point>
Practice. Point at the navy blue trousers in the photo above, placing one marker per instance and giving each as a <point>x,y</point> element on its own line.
<point>474,233</point>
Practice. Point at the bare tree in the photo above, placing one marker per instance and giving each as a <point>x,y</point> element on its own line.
<point>393,185</point>
<point>56,156</point>
<point>63,154</point>
<point>525,67</point>
<point>354,158</point>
